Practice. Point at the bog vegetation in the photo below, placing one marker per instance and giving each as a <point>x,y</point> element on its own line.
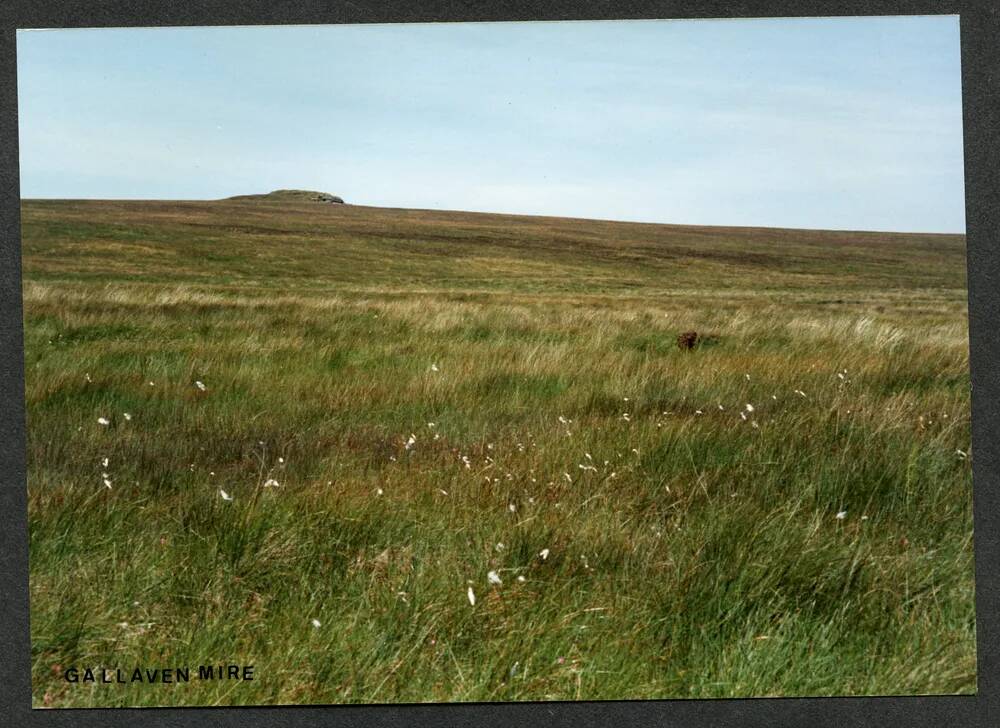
<point>390,455</point>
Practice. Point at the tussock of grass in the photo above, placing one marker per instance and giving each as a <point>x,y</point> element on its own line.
<point>690,552</point>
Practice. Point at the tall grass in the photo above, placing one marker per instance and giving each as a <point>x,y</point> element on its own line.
<point>785,510</point>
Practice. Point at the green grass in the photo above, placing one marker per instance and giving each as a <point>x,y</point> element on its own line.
<point>690,552</point>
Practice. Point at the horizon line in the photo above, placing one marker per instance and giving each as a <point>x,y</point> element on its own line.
<point>511,214</point>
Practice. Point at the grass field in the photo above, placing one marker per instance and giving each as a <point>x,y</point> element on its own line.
<point>784,510</point>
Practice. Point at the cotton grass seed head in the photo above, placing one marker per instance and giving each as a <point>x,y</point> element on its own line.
<point>225,495</point>
<point>200,385</point>
<point>103,421</point>
<point>494,578</point>
<point>472,596</point>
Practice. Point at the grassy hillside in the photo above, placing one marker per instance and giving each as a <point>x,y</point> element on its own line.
<point>442,395</point>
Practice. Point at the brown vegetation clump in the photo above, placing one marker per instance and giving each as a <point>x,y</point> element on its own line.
<point>688,340</point>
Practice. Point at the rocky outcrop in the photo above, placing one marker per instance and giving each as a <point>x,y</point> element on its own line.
<point>295,196</point>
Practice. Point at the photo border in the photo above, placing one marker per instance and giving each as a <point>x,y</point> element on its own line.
<point>980,33</point>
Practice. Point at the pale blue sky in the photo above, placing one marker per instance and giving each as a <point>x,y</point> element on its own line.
<point>849,123</point>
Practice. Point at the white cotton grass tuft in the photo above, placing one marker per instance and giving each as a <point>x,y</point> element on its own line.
<point>225,495</point>
<point>494,578</point>
<point>271,483</point>
<point>127,416</point>
<point>841,515</point>
<point>316,623</point>
<point>104,462</point>
<point>472,596</point>
<point>103,421</point>
<point>434,368</point>
<point>544,554</point>
<point>411,442</point>
<point>749,407</point>
<point>200,385</point>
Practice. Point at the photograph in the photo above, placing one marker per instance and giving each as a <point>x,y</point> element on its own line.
<point>488,362</point>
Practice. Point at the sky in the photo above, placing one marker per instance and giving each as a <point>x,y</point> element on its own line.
<point>836,123</point>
